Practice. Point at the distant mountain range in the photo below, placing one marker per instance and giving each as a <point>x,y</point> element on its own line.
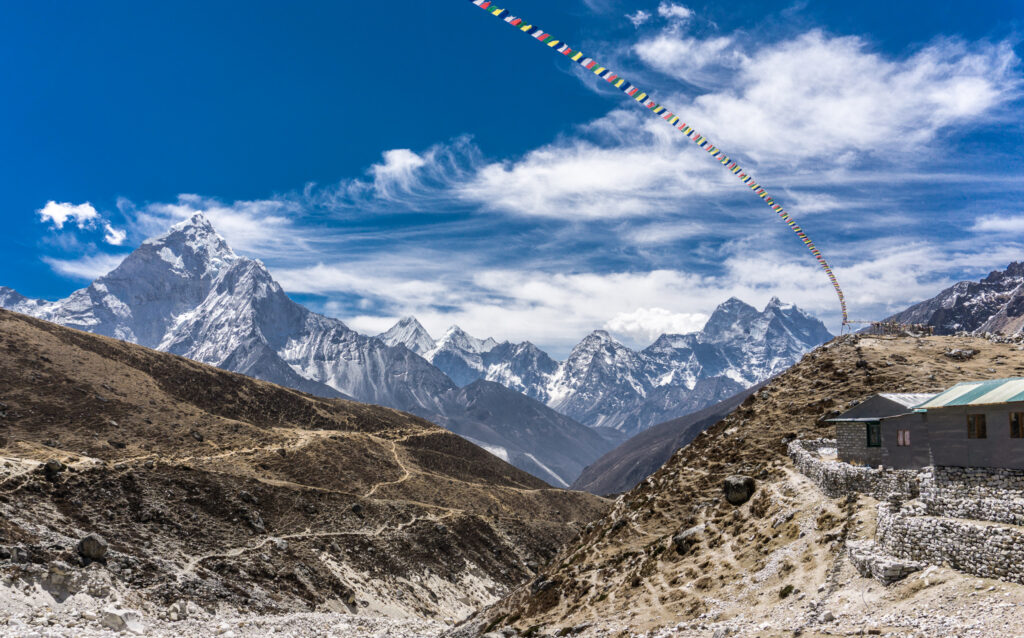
<point>187,292</point>
<point>993,304</point>
<point>605,384</point>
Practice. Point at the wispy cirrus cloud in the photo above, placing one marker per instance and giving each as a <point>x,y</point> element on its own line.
<point>85,268</point>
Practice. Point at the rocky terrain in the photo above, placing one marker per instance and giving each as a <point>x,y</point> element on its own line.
<point>994,304</point>
<point>135,477</point>
<point>676,557</point>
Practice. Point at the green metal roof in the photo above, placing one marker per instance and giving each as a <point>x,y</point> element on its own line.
<point>978,393</point>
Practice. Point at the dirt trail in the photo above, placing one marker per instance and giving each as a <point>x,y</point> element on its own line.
<point>405,473</point>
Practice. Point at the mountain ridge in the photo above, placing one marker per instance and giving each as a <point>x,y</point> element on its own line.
<point>605,384</point>
<point>992,304</point>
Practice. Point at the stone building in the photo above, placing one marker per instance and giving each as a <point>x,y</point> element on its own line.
<point>973,424</point>
<point>884,430</point>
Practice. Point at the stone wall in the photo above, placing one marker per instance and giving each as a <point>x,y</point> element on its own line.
<point>971,519</point>
<point>984,494</point>
<point>852,445</point>
<point>871,562</point>
<point>836,478</point>
<point>978,548</point>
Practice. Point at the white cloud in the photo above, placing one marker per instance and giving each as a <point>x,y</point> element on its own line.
<point>404,179</point>
<point>704,62</point>
<point>662,232</point>
<point>85,268</point>
<point>397,171</point>
<point>113,236</point>
<point>673,11</point>
<point>638,18</point>
<point>820,97</point>
<point>58,213</point>
<point>591,182</point>
<point>368,279</point>
<point>810,110</point>
<point>999,224</point>
<point>644,325</point>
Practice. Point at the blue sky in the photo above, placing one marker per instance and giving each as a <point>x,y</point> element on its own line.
<point>385,160</point>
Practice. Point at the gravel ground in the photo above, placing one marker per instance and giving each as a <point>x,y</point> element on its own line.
<point>31,609</point>
<point>306,625</point>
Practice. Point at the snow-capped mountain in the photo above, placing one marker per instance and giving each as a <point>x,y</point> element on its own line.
<point>994,304</point>
<point>605,384</point>
<point>411,334</point>
<point>459,355</point>
<point>188,293</point>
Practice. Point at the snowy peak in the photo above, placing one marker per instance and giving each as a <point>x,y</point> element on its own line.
<point>731,320</point>
<point>458,339</point>
<point>192,248</point>
<point>409,332</point>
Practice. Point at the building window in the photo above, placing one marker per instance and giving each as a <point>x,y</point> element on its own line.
<point>976,426</point>
<point>874,434</point>
<point>1017,425</point>
<point>903,438</point>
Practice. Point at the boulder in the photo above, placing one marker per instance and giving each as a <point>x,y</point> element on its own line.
<point>53,467</point>
<point>93,548</point>
<point>685,540</point>
<point>123,620</point>
<point>738,489</point>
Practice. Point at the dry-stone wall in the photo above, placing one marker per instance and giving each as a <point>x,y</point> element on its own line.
<point>871,562</point>
<point>979,548</point>
<point>836,479</point>
<point>971,519</point>
<point>979,493</point>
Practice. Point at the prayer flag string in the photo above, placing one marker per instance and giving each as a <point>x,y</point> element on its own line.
<point>674,120</point>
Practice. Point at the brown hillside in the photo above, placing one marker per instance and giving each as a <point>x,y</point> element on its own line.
<point>215,487</point>
<point>623,575</point>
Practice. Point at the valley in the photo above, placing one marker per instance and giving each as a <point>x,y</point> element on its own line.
<point>216,491</point>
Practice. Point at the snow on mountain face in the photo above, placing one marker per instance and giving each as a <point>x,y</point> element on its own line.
<point>738,343</point>
<point>605,384</point>
<point>138,300</point>
<point>600,379</point>
<point>460,355</point>
<point>522,367</point>
<point>188,293</point>
<point>993,304</point>
<point>410,334</point>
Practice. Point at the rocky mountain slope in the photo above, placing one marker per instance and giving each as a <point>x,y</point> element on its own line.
<point>625,466</point>
<point>775,565</point>
<point>994,304</point>
<point>187,292</point>
<point>606,385</point>
<point>211,489</point>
